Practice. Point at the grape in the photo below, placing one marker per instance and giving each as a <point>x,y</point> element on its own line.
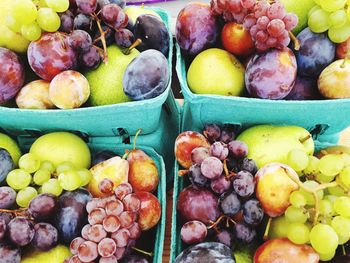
<point>48,20</point>
<point>290,21</point>
<point>243,184</point>
<point>327,256</point>
<point>326,208</point>
<point>111,223</point>
<point>13,24</point>
<point>331,164</point>
<point>193,232</point>
<point>9,253</point>
<point>135,231</point>
<point>297,159</point>
<point>114,16</point>
<point>262,22</point>
<point>219,150</point>
<point>297,199</point>
<point>279,227</point>
<point>114,208</point>
<point>29,163</point>
<point>344,177</point>
<point>6,162</point>
<point>340,34</point>
<point>85,231</point>
<point>96,233</point>
<point>323,238</point>
<point>124,37</point>
<point>199,154</point>
<point>196,177</point>
<point>122,190</point>
<point>84,22</point>
<point>244,233</point>
<point>276,27</point>
<point>31,31</point>
<point>41,176</point>
<point>249,21</point>
<point>106,247</point>
<point>20,231</point>
<point>64,167</point>
<point>87,251</point>
<point>298,233</point>
<point>18,179</point>
<point>337,18</point>
<point>132,203</point>
<point>276,11</point>
<point>229,204</point>
<point>80,40</point>
<point>45,237</point>
<point>26,195</point>
<point>47,165</point>
<point>3,227</point>
<point>52,186</point>
<point>227,133</point>
<point>43,206</point>
<point>90,59</point>
<point>121,237</point>
<point>342,206</point>
<point>24,11</point>
<point>296,215</point>
<point>336,191</point>
<point>7,197</point>
<point>96,216</point>
<point>310,200</point>
<point>252,212</point>
<point>332,5</point>
<point>212,132</point>
<point>86,6</point>
<point>220,185</point>
<point>224,237</point>
<point>312,167</point>
<point>341,225</point>
<point>212,168</point>
<point>70,180</point>
<point>58,6</point>
<point>67,21</point>
<point>74,245</point>
<point>127,218</point>
<point>238,149</point>
<point>111,259</point>
<point>248,165</point>
<point>110,39</point>
<point>318,21</point>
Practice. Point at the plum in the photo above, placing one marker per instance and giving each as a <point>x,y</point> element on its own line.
<point>304,89</point>
<point>153,33</point>
<point>316,52</point>
<point>147,76</point>
<point>196,28</point>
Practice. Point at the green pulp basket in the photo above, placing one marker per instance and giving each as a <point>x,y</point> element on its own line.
<point>323,118</point>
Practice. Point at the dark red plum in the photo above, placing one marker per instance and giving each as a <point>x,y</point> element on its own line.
<point>196,28</point>
<point>304,89</point>
<point>271,75</point>
<point>315,54</point>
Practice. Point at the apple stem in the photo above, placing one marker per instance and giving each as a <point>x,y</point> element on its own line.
<point>267,229</point>
<point>302,140</point>
<point>143,251</point>
<point>343,250</point>
<point>103,37</point>
<point>183,172</point>
<point>346,59</point>
<point>133,45</point>
<point>295,40</point>
<point>136,135</point>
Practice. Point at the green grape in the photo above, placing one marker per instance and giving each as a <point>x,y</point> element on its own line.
<point>63,167</point>
<point>312,167</point>
<point>298,233</point>
<point>323,238</point>
<point>348,12</point>
<point>331,198</point>
<point>297,199</point>
<point>310,200</point>
<point>279,227</point>
<point>70,180</point>
<point>331,164</point>
<point>29,162</point>
<point>58,5</point>
<point>327,256</point>
<point>13,24</point>
<point>296,215</point>
<point>31,31</point>
<point>340,34</point>
<point>85,176</point>
<point>336,190</point>
<point>341,226</point>
<point>337,18</point>
<point>52,186</point>
<point>317,2</point>
<point>318,21</point>
<point>41,176</point>
<point>297,159</point>
<point>18,179</point>
<point>332,5</point>
<point>48,19</point>
<point>26,195</point>
<point>342,206</point>
<point>315,8</point>
<point>346,158</point>
<point>24,11</point>
<point>324,178</point>
<point>344,177</point>
<point>326,208</point>
<point>47,165</point>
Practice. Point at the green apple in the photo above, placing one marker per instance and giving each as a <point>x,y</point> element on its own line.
<point>268,144</point>
<point>106,82</point>
<point>7,143</point>
<point>216,71</point>
<point>134,12</point>
<point>59,147</point>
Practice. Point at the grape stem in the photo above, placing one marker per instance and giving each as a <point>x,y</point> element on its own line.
<point>17,212</point>
<point>222,217</point>
<point>150,254</point>
<point>226,169</point>
<point>103,38</point>
<point>295,40</point>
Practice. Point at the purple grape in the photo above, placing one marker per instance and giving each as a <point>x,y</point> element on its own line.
<point>3,227</point>
<point>229,204</point>
<point>225,237</point>
<point>243,184</point>
<point>220,185</point>
<point>238,149</point>
<point>248,165</point>
<point>244,233</point>
<point>90,59</point>
<point>7,197</point>
<point>20,231</point>
<point>6,216</point>
<point>6,164</point>
<point>252,212</point>
<point>304,89</point>
<point>67,21</point>
<point>84,22</point>
<point>80,40</point>
<point>114,16</point>
<point>109,36</point>
<point>9,254</point>
<point>45,237</point>
<point>227,133</point>
<point>124,37</point>
<point>212,132</point>
<point>219,150</point>
<point>102,3</point>
<point>86,6</point>
<point>193,232</point>
<point>196,177</point>
<point>212,167</point>
<point>43,207</point>
<point>199,154</point>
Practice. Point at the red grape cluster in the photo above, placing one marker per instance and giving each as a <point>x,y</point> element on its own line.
<point>221,195</point>
<point>113,226</point>
<point>268,24</point>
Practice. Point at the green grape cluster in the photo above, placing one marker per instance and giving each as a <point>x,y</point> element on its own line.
<point>331,15</point>
<point>34,177</point>
<point>30,18</point>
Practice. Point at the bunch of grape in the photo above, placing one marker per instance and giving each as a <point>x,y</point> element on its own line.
<point>269,24</point>
<point>25,18</point>
<point>223,177</point>
<point>320,210</point>
<point>27,227</point>
<point>113,226</point>
<point>32,172</point>
<point>331,15</point>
